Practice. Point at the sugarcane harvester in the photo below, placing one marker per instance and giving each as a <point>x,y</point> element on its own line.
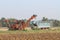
<point>20,25</point>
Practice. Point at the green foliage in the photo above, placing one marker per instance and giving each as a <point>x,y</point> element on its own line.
<point>45,19</point>
<point>2,19</point>
<point>56,23</point>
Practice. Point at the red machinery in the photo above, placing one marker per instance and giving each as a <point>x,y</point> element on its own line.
<point>22,25</point>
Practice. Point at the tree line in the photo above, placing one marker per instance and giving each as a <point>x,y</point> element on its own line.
<point>56,23</point>
<point>12,21</point>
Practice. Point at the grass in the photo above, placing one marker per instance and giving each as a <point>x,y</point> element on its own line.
<point>29,31</point>
<point>30,34</point>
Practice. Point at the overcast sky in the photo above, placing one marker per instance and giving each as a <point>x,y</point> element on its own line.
<point>26,8</point>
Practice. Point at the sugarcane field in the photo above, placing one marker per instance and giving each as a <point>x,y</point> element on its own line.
<point>29,19</point>
<point>12,29</point>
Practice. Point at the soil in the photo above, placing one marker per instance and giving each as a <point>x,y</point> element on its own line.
<point>31,36</point>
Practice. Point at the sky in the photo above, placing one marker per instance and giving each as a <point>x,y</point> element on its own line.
<point>21,9</point>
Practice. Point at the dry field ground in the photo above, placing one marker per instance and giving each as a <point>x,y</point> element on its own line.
<point>51,34</point>
<point>33,36</point>
<point>30,35</point>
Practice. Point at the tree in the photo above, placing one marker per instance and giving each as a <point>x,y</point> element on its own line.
<point>56,23</point>
<point>3,22</point>
<point>45,19</point>
<point>2,19</point>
